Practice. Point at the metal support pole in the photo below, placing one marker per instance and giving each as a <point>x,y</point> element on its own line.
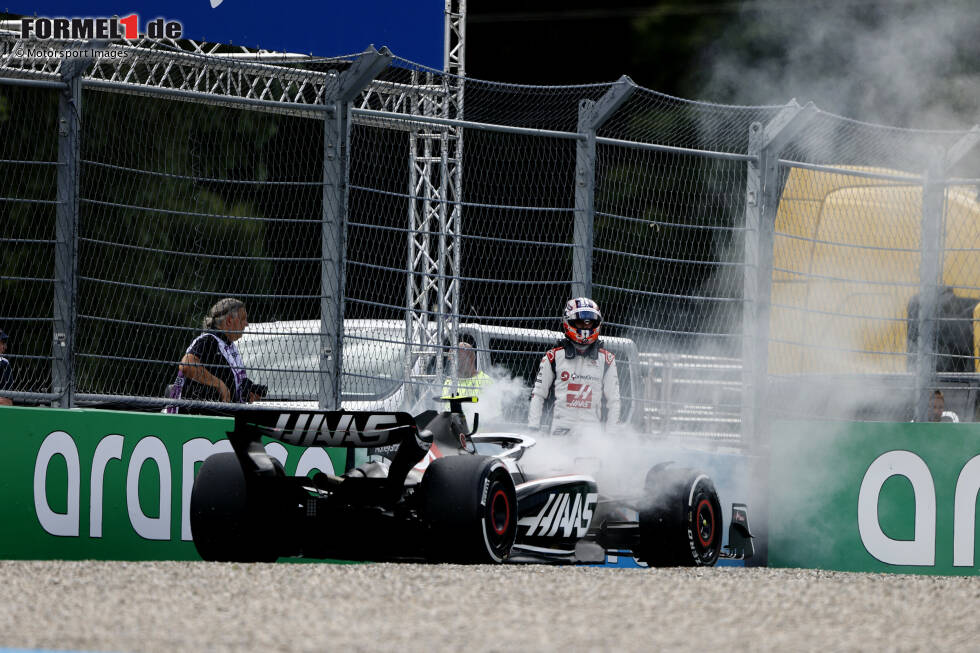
<point>591,116</point>
<point>584,204</point>
<point>450,185</point>
<point>433,284</point>
<point>331,258</point>
<point>423,265</point>
<point>930,270</point>
<point>66,235</point>
<point>762,204</point>
<point>962,147</point>
<point>417,247</point>
<point>341,90</point>
<point>751,358</point>
<point>931,265</point>
<point>445,303</point>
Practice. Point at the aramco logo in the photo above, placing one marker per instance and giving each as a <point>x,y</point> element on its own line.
<point>921,549</point>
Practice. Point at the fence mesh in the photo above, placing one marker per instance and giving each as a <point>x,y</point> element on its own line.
<point>466,231</point>
<point>181,205</point>
<point>28,201</point>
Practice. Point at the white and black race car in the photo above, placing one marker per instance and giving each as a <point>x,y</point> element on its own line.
<point>473,503</point>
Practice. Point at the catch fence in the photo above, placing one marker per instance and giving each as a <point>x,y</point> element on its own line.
<point>750,262</point>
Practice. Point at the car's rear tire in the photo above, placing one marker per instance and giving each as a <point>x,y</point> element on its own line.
<point>680,520</point>
<point>470,506</point>
<point>229,520</point>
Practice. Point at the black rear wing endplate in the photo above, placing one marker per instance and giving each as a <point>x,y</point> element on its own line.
<point>740,546</point>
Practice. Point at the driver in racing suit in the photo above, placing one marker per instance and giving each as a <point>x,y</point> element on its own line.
<point>578,375</point>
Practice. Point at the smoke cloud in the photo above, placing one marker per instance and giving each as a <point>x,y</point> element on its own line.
<point>618,457</point>
<point>911,64</point>
<point>904,63</point>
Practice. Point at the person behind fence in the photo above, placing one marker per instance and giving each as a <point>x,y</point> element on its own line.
<point>937,409</point>
<point>6,373</point>
<point>471,379</point>
<point>578,377</point>
<point>212,367</point>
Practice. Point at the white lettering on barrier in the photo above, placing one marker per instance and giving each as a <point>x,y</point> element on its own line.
<point>315,458</point>
<point>58,443</point>
<point>964,513</point>
<point>109,448</point>
<point>277,451</point>
<point>151,528</point>
<point>921,549</point>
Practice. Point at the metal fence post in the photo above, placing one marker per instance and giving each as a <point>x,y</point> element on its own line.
<point>962,147</point>
<point>66,235</point>
<point>591,116</point>
<point>762,203</point>
<point>751,273</point>
<point>932,247</point>
<point>442,301</point>
<point>333,231</point>
<point>930,271</point>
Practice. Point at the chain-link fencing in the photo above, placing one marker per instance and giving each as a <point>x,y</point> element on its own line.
<point>750,262</point>
<point>28,201</point>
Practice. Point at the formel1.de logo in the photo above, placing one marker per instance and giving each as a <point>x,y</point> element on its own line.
<point>126,27</point>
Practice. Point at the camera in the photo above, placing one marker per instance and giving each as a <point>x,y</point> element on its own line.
<point>248,388</point>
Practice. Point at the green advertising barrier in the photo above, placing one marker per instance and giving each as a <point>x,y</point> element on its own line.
<point>109,485</point>
<point>874,496</point>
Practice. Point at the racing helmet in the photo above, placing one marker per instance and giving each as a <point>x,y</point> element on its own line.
<point>581,320</point>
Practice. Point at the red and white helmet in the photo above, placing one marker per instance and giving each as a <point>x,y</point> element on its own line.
<point>581,320</point>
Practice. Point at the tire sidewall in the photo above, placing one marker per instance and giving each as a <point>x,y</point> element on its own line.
<point>669,534</point>
<point>498,507</point>
<point>702,503</point>
<point>470,506</point>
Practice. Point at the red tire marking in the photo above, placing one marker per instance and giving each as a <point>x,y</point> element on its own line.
<point>500,530</point>
<point>697,515</point>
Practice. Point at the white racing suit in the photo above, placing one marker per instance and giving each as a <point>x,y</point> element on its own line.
<point>583,385</point>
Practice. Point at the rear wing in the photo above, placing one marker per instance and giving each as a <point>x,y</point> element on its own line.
<point>329,428</point>
<point>325,428</point>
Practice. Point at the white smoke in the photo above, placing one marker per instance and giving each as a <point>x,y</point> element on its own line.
<point>618,456</point>
<point>501,403</point>
<point>912,64</point>
<point>907,63</point>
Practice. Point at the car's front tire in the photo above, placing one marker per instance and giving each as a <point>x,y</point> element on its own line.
<point>680,520</point>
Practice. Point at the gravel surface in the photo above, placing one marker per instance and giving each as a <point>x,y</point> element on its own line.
<point>168,606</point>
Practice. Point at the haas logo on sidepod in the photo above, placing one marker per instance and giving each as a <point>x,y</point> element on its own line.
<point>563,513</point>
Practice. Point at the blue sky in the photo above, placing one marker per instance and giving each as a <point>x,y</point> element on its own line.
<point>412,29</point>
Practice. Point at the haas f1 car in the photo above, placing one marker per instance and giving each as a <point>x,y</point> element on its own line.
<point>474,503</point>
